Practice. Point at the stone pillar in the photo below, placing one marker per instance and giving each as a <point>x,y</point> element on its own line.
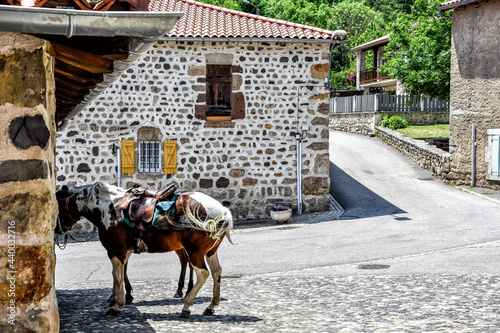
<point>27,185</point>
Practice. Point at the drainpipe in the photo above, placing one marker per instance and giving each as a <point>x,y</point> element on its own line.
<point>298,136</point>
<point>473,171</point>
<point>119,171</point>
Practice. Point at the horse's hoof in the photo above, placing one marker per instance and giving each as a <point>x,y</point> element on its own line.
<point>129,299</point>
<point>112,302</point>
<point>178,294</point>
<point>208,312</point>
<point>185,313</point>
<point>112,312</point>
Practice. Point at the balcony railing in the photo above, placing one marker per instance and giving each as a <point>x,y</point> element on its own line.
<point>388,103</point>
<point>371,76</point>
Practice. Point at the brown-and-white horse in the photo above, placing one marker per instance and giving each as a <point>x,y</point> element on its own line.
<point>198,226</point>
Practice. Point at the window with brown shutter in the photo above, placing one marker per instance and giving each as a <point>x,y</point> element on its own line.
<point>219,85</point>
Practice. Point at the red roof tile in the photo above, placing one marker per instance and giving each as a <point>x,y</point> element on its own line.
<point>209,21</point>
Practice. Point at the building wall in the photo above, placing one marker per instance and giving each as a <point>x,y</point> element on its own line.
<point>475,87</point>
<point>249,163</point>
<point>27,185</point>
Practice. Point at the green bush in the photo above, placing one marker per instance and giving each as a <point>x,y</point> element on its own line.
<point>394,122</point>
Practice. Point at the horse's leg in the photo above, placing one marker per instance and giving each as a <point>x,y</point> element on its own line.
<point>201,276</point>
<point>216,270</point>
<point>183,260</point>
<point>118,281</point>
<point>128,287</point>
<point>190,283</point>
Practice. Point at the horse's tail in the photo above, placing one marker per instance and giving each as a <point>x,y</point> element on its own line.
<point>216,227</point>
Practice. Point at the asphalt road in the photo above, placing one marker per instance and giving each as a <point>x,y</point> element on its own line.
<point>397,216</point>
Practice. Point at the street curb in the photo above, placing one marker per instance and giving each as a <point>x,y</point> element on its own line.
<point>478,194</point>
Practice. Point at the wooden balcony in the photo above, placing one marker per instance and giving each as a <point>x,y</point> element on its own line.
<point>371,76</point>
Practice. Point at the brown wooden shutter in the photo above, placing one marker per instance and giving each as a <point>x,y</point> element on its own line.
<point>128,157</point>
<point>238,106</point>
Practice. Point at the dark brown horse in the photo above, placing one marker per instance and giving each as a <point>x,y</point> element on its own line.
<point>197,228</point>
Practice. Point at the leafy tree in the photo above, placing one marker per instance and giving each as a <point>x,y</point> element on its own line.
<point>419,51</point>
<point>230,4</point>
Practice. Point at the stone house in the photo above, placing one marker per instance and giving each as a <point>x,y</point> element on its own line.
<point>475,87</point>
<point>219,105</point>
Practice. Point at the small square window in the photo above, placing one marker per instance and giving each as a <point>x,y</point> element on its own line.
<point>149,157</point>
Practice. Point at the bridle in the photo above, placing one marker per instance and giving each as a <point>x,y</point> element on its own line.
<point>73,220</point>
<point>66,231</point>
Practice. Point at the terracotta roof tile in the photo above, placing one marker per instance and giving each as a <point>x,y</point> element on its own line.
<point>203,20</point>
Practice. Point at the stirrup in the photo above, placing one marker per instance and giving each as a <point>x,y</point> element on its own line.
<point>140,246</point>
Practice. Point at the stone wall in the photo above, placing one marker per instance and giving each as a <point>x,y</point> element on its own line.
<point>27,186</point>
<point>365,122</point>
<point>433,159</point>
<point>475,86</point>
<point>248,163</point>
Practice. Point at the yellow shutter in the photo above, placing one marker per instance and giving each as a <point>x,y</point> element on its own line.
<point>128,165</point>
<point>169,157</point>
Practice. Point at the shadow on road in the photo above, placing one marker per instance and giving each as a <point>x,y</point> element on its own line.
<point>357,200</point>
<point>83,310</point>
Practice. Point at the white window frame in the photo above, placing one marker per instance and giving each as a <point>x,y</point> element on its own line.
<point>150,153</point>
<point>493,154</point>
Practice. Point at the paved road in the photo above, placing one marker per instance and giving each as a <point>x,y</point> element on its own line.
<point>437,248</point>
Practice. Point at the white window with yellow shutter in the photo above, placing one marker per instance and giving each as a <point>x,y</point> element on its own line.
<point>149,157</point>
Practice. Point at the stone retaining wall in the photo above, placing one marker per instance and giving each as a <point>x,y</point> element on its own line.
<point>365,122</point>
<point>435,160</point>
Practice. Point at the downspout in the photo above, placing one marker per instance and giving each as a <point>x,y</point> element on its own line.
<point>441,15</point>
<point>298,136</point>
<point>119,171</point>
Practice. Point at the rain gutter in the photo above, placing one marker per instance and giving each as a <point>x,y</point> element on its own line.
<point>142,28</point>
<point>253,40</point>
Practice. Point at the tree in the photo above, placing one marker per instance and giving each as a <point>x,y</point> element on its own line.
<point>419,51</point>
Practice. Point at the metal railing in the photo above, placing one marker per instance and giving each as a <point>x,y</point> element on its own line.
<point>388,103</point>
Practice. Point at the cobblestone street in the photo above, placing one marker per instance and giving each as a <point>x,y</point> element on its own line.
<point>362,303</point>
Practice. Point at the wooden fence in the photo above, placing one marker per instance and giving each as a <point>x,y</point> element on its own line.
<point>388,103</point>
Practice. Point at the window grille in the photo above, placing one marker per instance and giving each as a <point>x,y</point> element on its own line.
<point>149,157</point>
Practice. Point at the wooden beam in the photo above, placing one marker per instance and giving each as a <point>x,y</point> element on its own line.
<point>76,74</point>
<point>66,82</point>
<point>86,61</point>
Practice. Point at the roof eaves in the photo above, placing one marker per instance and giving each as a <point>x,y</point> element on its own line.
<point>454,4</point>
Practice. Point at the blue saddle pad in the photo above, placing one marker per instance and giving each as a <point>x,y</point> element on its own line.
<point>164,208</point>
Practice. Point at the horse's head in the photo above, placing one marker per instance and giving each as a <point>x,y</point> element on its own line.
<point>68,210</point>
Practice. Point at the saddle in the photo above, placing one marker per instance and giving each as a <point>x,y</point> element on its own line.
<point>139,204</point>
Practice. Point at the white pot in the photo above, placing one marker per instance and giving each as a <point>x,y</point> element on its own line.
<point>281,216</point>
